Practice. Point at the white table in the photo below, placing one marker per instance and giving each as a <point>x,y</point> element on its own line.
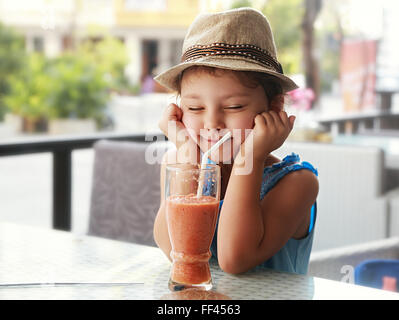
<point>130,271</point>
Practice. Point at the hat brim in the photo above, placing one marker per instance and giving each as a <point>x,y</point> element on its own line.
<point>170,77</point>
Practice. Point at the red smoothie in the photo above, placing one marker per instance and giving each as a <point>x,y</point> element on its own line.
<point>191,224</point>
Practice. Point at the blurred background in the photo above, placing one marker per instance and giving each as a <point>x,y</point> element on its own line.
<point>77,67</point>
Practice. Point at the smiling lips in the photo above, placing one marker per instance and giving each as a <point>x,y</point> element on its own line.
<point>212,140</point>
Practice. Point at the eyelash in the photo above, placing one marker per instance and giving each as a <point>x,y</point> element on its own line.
<point>235,107</point>
<point>231,108</point>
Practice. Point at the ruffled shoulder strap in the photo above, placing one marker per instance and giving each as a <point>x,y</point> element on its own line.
<point>273,173</point>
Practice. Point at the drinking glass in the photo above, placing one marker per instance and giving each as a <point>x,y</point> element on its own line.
<point>191,218</point>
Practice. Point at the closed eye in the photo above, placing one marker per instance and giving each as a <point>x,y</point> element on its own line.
<point>234,107</point>
<point>195,108</point>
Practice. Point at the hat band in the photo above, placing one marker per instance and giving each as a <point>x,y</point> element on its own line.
<point>223,49</point>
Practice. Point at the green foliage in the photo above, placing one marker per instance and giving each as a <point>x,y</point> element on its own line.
<point>241,3</point>
<point>29,90</point>
<point>111,56</point>
<point>74,85</point>
<point>12,55</point>
<point>65,87</point>
<point>78,88</point>
<point>285,18</point>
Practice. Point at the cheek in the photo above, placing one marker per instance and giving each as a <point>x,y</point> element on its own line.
<point>192,122</point>
<point>243,122</point>
<point>193,125</point>
<point>241,128</point>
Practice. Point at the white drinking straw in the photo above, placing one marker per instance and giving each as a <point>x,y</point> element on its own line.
<point>205,159</point>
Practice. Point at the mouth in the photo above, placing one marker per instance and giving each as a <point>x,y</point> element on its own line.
<point>212,140</point>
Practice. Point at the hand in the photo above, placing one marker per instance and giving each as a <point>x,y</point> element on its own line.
<point>270,131</point>
<point>172,117</point>
<point>173,127</point>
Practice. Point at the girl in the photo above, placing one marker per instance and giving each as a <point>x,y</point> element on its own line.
<point>230,80</point>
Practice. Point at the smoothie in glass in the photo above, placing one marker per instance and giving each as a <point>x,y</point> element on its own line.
<point>191,225</point>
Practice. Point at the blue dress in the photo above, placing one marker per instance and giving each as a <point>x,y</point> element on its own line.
<point>294,256</point>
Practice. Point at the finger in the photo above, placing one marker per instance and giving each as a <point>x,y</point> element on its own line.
<point>276,118</point>
<point>179,112</point>
<point>284,117</point>
<point>171,107</point>
<point>260,121</point>
<point>172,120</point>
<point>270,122</point>
<point>174,112</point>
<point>287,122</point>
<point>292,121</point>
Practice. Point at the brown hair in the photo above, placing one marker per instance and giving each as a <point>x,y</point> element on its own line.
<point>250,79</point>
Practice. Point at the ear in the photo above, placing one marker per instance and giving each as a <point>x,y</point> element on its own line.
<point>277,104</point>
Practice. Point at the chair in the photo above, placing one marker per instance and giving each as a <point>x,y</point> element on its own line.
<point>125,190</point>
<point>378,273</point>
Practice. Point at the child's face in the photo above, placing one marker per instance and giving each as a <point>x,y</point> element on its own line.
<point>214,104</point>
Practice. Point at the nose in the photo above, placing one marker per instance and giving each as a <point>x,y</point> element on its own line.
<point>214,120</point>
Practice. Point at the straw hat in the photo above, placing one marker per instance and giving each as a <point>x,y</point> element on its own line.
<point>238,39</point>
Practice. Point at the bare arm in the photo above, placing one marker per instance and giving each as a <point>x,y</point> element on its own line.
<point>251,231</point>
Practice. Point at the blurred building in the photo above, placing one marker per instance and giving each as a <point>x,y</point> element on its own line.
<point>153,30</point>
